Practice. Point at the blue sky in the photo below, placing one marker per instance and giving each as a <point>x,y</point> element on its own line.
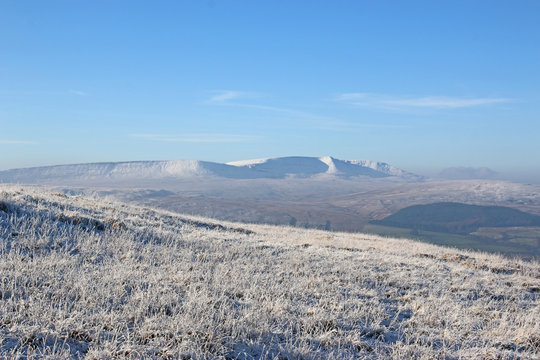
<point>422,85</point>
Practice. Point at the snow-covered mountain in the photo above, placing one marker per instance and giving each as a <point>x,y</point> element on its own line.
<point>272,168</point>
<point>309,166</point>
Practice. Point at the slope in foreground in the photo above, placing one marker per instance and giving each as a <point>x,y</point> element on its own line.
<point>88,278</point>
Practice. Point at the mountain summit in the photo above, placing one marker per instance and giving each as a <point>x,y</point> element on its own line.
<point>309,166</point>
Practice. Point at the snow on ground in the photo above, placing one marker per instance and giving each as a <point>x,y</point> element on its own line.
<point>277,168</point>
<point>88,278</point>
<point>111,171</point>
<point>300,165</point>
<point>249,162</point>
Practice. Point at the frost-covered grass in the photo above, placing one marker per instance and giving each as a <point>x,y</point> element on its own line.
<point>87,278</point>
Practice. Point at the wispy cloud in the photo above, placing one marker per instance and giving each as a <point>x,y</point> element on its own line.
<point>277,109</point>
<point>197,138</point>
<point>16,142</point>
<point>400,102</point>
<point>347,126</point>
<point>78,92</point>
<point>224,96</point>
<point>294,117</point>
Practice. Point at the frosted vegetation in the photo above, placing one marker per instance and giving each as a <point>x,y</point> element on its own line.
<point>88,278</point>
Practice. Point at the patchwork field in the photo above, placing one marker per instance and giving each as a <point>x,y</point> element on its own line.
<point>87,278</point>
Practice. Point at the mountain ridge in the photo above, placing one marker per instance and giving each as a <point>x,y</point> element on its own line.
<point>273,168</point>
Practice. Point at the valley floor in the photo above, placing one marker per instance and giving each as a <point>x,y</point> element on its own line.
<point>87,278</point>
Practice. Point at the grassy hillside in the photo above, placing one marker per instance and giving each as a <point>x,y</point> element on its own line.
<point>85,278</point>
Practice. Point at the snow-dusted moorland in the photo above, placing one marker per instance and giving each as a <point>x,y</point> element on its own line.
<point>87,278</point>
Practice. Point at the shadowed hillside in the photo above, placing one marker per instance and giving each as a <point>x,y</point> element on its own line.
<point>458,218</point>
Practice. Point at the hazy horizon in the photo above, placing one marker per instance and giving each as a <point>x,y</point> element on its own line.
<point>420,85</point>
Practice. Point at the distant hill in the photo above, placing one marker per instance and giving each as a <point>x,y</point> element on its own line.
<point>457,218</point>
<point>276,168</point>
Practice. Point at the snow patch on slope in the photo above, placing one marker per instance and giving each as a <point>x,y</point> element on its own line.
<point>328,160</point>
<point>248,163</point>
<point>383,167</point>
